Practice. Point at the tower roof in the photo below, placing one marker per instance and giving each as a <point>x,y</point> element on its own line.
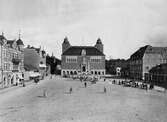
<point>19,42</point>
<point>99,41</point>
<point>2,37</point>
<point>66,40</point>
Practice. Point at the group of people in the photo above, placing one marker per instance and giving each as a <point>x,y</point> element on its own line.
<point>132,84</point>
<point>85,85</point>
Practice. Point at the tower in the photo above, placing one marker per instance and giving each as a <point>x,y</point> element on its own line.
<point>99,45</point>
<point>65,45</point>
<point>20,43</point>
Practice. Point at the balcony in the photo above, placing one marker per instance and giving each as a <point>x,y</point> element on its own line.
<point>16,61</point>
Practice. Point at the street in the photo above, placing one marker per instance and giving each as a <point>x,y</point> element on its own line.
<point>90,104</point>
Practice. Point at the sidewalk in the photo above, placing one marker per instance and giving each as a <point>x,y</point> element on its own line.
<point>27,83</point>
<point>3,90</point>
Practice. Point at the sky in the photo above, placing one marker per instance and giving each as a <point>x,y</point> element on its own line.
<point>122,25</point>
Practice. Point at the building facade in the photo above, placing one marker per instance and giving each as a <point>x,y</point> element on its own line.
<point>144,59</point>
<point>158,75</point>
<point>12,61</point>
<point>82,59</point>
<point>35,59</point>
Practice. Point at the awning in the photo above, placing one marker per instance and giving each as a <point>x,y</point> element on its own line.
<point>42,66</point>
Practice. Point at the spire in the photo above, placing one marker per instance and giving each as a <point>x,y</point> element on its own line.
<point>19,41</point>
<point>19,34</point>
<point>66,40</point>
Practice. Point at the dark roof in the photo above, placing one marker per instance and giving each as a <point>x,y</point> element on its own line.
<point>66,40</point>
<point>76,50</point>
<point>2,37</point>
<point>10,42</point>
<point>161,69</point>
<point>19,42</point>
<point>99,41</point>
<point>149,50</point>
<point>30,67</point>
<point>139,53</point>
<point>36,49</point>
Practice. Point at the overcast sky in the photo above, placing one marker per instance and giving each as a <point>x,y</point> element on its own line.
<point>123,25</point>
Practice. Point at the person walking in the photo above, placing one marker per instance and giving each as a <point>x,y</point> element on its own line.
<point>44,93</point>
<point>85,84</point>
<point>24,85</point>
<point>105,90</point>
<point>70,90</point>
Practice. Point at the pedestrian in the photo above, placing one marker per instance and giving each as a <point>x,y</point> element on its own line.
<point>85,84</point>
<point>146,87</point>
<point>24,85</point>
<point>105,90</point>
<point>44,93</point>
<point>70,90</point>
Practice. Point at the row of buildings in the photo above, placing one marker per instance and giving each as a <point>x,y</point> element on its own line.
<point>18,63</point>
<point>147,64</point>
<point>11,60</point>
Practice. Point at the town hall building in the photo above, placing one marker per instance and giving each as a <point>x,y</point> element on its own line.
<point>82,59</point>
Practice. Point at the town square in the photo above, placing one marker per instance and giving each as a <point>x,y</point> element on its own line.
<point>83,104</point>
<point>83,61</point>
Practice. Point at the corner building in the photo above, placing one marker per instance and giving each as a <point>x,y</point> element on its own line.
<point>145,59</point>
<point>82,59</point>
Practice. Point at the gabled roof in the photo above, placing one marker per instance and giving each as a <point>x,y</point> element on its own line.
<point>149,50</point>
<point>2,37</point>
<point>139,53</point>
<point>76,50</point>
<point>10,42</point>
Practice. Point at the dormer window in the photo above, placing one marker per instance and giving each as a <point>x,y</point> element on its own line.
<point>83,53</point>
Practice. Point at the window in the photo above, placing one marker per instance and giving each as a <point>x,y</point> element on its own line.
<point>83,53</point>
<point>95,59</point>
<point>71,59</point>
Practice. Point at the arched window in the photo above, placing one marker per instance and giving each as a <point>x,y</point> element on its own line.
<point>75,72</point>
<point>64,72</point>
<point>99,73</point>
<point>71,73</point>
<point>92,72</point>
<point>95,72</point>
